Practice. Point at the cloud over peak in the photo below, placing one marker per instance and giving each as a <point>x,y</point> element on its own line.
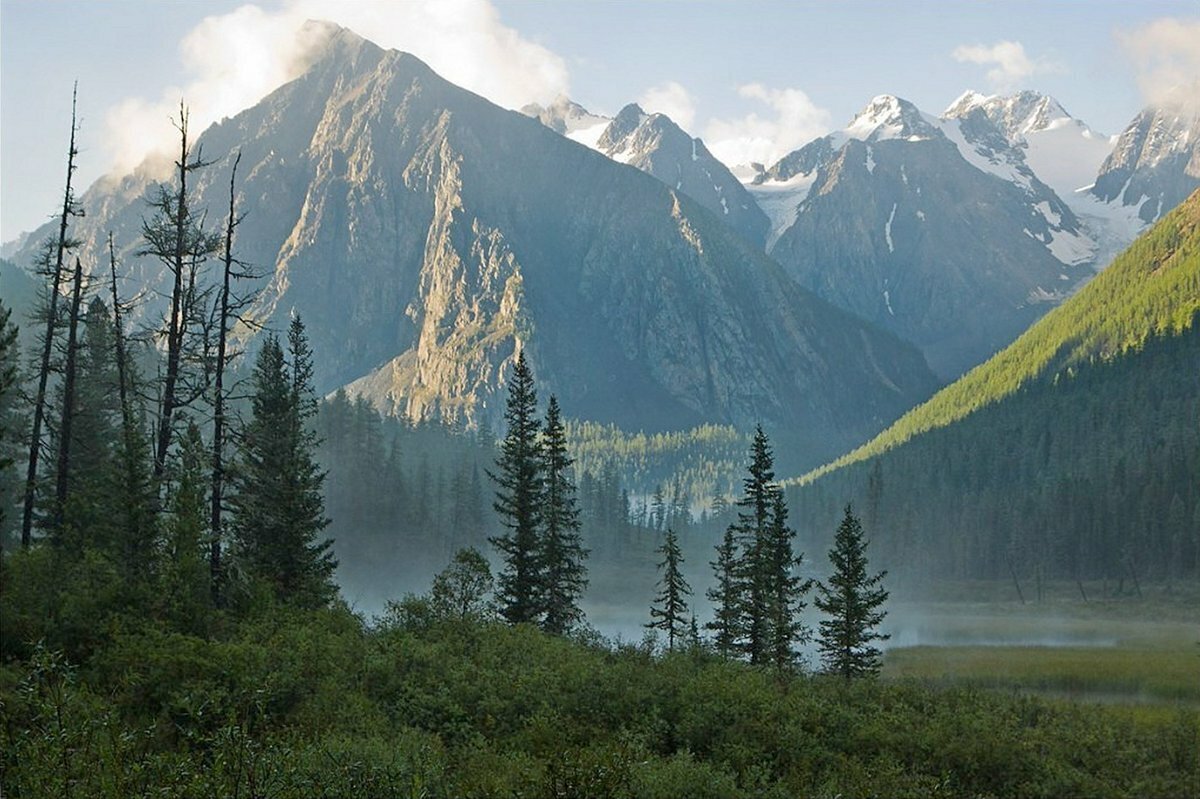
<point>235,59</point>
<point>1011,65</point>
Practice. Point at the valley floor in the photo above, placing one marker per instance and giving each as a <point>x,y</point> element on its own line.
<point>264,700</point>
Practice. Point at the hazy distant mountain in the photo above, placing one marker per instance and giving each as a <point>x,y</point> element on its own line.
<point>934,228</point>
<point>1155,163</point>
<point>425,234</point>
<point>654,144</point>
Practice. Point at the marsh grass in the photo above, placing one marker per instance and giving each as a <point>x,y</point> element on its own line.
<point>1109,652</point>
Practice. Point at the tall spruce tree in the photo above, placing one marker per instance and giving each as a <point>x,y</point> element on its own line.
<point>184,573</point>
<point>91,510</point>
<point>278,509</point>
<point>11,422</point>
<point>852,600</point>
<point>669,612</point>
<point>518,479</point>
<point>562,555</point>
<point>727,597</point>
<point>752,532</point>
<point>785,590</point>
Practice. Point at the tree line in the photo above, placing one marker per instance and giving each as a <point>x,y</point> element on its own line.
<point>136,455</point>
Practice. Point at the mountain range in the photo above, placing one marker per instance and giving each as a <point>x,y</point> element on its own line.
<point>940,260</point>
<point>426,236</point>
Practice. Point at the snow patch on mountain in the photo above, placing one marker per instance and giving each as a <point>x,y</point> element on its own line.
<point>779,200</point>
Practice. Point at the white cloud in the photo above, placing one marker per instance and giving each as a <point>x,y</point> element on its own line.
<point>1166,55</point>
<point>671,99</point>
<point>793,121</point>
<point>1012,65</point>
<point>237,58</point>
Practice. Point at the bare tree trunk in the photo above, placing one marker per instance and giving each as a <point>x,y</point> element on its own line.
<point>62,478</point>
<point>218,443</point>
<point>176,321</point>
<point>119,339</point>
<point>39,403</point>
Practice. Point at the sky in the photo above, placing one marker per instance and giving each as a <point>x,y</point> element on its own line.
<point>754,78</point>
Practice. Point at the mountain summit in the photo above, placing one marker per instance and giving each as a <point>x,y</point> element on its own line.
<point>427,235</point>
<point>933,228</point>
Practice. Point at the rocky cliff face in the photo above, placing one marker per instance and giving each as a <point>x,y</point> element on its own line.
<point>933,228</point>
<point>1155,164</point>
<point>426,236</point>
<point>657,146</point>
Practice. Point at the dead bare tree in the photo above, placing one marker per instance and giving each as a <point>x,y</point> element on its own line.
<point>175,235</point>
<point>69,209</point>
<point>63,465</point>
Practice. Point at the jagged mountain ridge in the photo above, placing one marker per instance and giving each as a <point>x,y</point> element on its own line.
<point>656,145</point>
<point>1155,163</point>
<point>1061,150</point>
<point>933,228</point>
<point>426,234</point>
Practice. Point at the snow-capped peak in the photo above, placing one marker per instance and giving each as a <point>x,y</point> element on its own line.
<point>965,102</point>
<point>1017,115</point>
<point>569,118</point>
<point>890,117</point>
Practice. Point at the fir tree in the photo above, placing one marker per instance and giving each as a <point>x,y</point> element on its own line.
<point>852,600</point>
<point>752,532</point>
<point>91,511</point>
<point>562,555</point>
<point>11,421</point>
<point>185,580</point>
<point>175,236</point>
<point>518,479</point>
<point>278,509</point>
<point>52,262</point>
<point>727,597</point>
<point>670,610</point>
<point>785,592</point>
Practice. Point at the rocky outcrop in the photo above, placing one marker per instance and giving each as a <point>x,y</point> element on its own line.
<point>1155,164</point>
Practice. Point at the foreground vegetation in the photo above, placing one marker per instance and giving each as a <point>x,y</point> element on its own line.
<point>276,701</point>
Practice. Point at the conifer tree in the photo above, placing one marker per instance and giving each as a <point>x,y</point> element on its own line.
<point>727,597</point>
<point>11,422</point>
<point>278,509</point>
<point>669,612</point>
<point>62,481</point>
<point>852,600</point>
<point>562,556</point>
<point>185,590</point>
<point>518,479</point>
<point>91,514</point>
<point>134,492</point>
<point>785,592</point>
<point>752,532</point>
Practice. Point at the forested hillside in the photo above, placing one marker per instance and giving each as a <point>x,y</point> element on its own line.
<point>1153,288</point>
<point>1071,455</point>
